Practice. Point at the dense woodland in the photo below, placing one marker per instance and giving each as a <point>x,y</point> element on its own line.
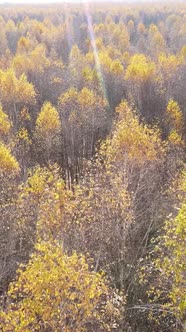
<point>92,176</point>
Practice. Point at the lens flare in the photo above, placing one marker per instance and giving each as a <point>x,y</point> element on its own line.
<point>95,51</point>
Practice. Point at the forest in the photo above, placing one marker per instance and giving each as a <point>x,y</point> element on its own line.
<point>92,167</point>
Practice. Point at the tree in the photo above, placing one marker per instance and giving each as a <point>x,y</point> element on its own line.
<point>168,66</point>
<point>22,93</point>
<point>58,292</point>
<point>156,41</point>
<point>12,35</point>
<point>174,116</point>
<point>108,215</point>
<point>76,65</point>
<point>165,269</point>
<point>83,118</point>
<point>22,144</point>
<point>140,77</point>
<point>134,140</point>
<point>3,39</point>
<point>5,124</point>
<point>48,123</point>
<point>9,172</point>
<point>8,163</point>
<point>47,130</point>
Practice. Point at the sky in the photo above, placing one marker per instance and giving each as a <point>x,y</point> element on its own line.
<point>79,1</point>
<point>35,1</point>
<point>30,1</point>
<point>58,1</point>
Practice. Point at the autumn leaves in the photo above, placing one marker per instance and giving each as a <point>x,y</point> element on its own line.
<point>91,141</point>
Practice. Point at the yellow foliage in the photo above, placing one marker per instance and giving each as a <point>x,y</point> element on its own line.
<point>8,163</point>
<point>90,58</point>
<point>85,100</point>
<point>10,26</point>
<point>156,40</point>
<point>169,264</point>
<point>139,68</point>
<point>174,116</point>
<point>38,58</point>
<point>153,29</point>
<point>46,189</point>
<point>113,52</point>
<point>99,28</point>
<point>133,140</point>
<point>75,53</point>
<point>48,122</point>
<point>169,64</point>
<point>124,110</point>
<point>25,90</point>
<point>86,97</point>
<point>23,135</point>
<point>24,114</point>
<point>88,73</point>
<point>131,26</point>
<point>21,63</point>
<point>5,124</point>
<point>38,180</point>
<point>175,138</point>
<point>23,45</point>
<point>81,110</point>
<point>8,83</point>
<point>126,57</point>
<point>141,28</point>
<point>35,60</point>
<point>54,291</point>
<point>159,40</point>
<point>183,52</point>
<point>116,67</point>
<point>99,43</point>
<point>120,36</point>
<point>21,90</point>
<point>104,60</point>
<point>57,80</point>
<point>70,95</point>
